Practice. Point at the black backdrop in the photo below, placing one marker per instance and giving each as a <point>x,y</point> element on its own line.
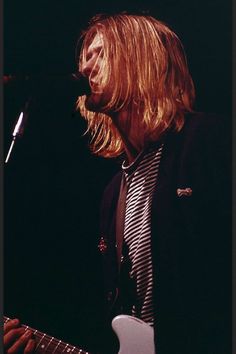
<point>53,185</point>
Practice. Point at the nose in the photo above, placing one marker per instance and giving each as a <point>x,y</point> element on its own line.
<point>90,66</point>
<point>86,69</point>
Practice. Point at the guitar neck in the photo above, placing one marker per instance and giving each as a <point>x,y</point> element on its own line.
<point>48,344</point>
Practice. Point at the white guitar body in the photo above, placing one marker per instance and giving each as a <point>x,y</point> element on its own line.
<point>135,336</point>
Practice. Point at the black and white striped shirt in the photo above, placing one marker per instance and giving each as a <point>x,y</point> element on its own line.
<point>141,177</point>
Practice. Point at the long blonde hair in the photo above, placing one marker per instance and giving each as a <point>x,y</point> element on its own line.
<point>145,67</point>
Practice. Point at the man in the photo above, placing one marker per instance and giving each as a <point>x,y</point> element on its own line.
<point>165,220</point>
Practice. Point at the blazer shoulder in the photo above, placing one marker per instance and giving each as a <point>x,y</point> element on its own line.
<point>200,120</point>
<point>207,128</point>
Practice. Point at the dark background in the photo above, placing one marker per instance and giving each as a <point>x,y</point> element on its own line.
<point>53,185</point>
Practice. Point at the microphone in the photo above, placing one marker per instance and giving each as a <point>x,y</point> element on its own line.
<point>76,82</point>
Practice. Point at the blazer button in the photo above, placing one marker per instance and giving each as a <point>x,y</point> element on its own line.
<point>102,246</point>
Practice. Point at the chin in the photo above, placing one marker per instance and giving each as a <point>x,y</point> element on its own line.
<point>94,103</point>
<point>91,104</point>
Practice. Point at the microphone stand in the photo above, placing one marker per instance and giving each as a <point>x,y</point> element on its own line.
<point>19,128</point>
<point>76,81</point>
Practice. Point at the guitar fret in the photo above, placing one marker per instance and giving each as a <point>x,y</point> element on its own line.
<point>65,348</point>
<point>56,346</point>
<point>71,350</point>
<point>40,342</point>
<point>49,343</point>
<point>59,347</point>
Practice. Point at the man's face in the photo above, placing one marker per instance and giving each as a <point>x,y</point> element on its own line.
<point>91,68</point>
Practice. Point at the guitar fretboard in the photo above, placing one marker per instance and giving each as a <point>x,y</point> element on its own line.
<point>48,344</point>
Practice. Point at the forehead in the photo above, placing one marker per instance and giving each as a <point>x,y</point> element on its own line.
<point>96,43</point>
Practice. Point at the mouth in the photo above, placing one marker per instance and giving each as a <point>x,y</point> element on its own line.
<point>94,87</point>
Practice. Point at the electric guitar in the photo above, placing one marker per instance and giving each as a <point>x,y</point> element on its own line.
<point>135,337</point>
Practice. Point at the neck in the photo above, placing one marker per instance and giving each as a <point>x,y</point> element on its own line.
<point>128,133</point>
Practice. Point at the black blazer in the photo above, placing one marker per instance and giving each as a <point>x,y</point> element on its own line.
<point>191,240</point>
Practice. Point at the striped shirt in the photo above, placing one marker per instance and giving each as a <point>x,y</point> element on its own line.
<point>141,177</point>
